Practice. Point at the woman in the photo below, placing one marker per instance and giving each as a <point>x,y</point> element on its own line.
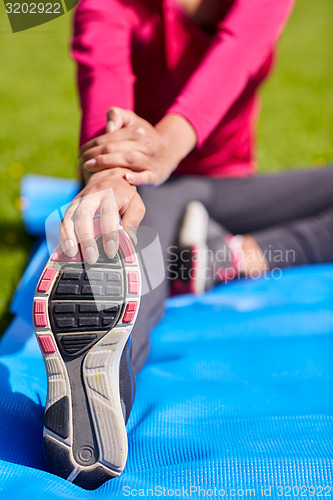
<point>169,102</point>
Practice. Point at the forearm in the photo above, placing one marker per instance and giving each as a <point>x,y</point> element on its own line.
<point>244,40</point>
<point>179,136</point>
<point>101,47</point>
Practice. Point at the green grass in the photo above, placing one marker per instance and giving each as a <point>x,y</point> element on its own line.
<point>296,125</point>
<point>39,116</point>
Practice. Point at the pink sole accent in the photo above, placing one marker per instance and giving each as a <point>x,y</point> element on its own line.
<point>46,279</point>
<point>40,317</point>
<point>47,344</point>
<point>59,256</point>
<point>237,257</point>
<point>228,274</point>
<point>130,312</point>
<point>133,282</point>
<point>126,248</point>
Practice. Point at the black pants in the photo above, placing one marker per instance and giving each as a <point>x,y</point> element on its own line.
<point>288,212</point>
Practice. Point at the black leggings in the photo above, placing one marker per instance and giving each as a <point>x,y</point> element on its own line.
<point>288,212</point>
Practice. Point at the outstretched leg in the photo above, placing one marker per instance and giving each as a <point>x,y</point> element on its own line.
<point>287,215</point>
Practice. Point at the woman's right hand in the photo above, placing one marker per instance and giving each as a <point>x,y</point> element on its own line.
<point>150,154</point>
<point>109,194</point>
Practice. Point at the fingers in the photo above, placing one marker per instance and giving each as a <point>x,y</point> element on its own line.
<point>101,140</point>
<point>134,131</point>
<point>118,118</point>
<point>67,235</point>
<point>84,228</point>
<point>111,148</point>
<point>77,226</point>
<point>109,223</point>
<point>132,216</point>
<point>147,177</point>
<point>130,159</point>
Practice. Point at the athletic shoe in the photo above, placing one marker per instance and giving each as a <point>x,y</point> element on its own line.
<point>83,316</point>
<point>206,252</point>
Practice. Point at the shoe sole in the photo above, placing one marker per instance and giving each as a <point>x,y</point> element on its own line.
<point>83,316</point>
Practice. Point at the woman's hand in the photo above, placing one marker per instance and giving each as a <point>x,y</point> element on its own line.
<point>149,153</point>
<point>108,193</point>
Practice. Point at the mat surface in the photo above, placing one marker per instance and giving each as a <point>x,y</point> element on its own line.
<point>237,394</point>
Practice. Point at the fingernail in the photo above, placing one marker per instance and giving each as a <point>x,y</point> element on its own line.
<point>130,177</point>
<point>90,255</point>
<point>111,249</point>
<point>110,126</point>
<point>90,163</point>
<point>133,236</point>
<point>70,248</point>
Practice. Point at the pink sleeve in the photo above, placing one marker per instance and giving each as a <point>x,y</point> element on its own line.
<point>101,46</point>
<point>243,41</point>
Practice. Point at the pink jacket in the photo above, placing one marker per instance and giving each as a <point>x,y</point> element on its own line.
<point>148,56</point>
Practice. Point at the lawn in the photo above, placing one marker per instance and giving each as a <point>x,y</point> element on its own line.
<point>39,116</point>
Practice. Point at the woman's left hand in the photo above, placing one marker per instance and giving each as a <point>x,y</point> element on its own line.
<point>150,153</point>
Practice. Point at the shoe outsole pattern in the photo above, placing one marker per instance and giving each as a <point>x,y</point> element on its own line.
<point>83,316</point>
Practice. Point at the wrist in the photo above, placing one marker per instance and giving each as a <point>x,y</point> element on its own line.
<point>108,173</point>
<point>179,136</point>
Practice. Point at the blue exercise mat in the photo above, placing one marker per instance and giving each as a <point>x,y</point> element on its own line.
<point>237,394</point>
